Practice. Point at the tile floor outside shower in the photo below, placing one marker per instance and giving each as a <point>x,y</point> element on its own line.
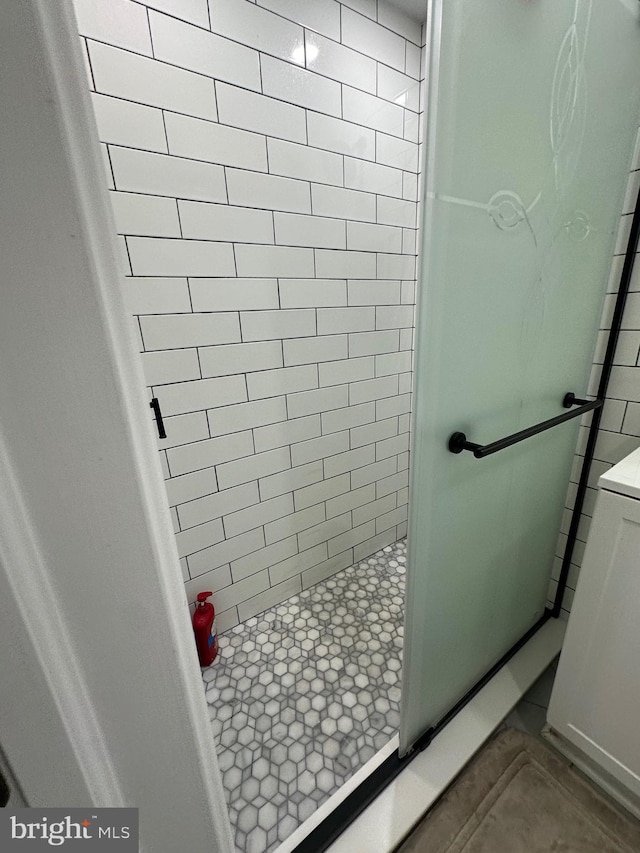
<point>304,694</point>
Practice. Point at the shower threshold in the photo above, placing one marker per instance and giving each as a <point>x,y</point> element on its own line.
<point>305,697</point>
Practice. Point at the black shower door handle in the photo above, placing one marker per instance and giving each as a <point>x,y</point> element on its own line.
<point>155,405</point>
<point>458,440</point>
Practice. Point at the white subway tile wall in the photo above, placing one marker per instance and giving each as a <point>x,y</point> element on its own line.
<point>619,432</point>
<point>263,164</point>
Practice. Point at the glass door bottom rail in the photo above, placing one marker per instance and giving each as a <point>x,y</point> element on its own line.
<point>305,694</point>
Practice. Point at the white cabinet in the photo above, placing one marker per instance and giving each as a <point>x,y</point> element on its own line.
<point>595,703</point>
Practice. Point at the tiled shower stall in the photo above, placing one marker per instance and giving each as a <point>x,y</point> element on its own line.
<point>263,166</point>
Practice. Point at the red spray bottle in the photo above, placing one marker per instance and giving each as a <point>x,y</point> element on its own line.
<point>204,627</point>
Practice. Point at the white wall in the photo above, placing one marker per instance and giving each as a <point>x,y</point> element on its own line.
<point>263,162</point>
<point>620,425</point>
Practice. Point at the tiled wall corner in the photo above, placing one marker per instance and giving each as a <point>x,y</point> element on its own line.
<point>619,432</point>
<point>262,159</point>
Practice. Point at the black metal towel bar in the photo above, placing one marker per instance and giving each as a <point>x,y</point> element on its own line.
<point>458,441</point>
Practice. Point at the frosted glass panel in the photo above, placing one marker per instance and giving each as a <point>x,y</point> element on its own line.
<point>532,116</point>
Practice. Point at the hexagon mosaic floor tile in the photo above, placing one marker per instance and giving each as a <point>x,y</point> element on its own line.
<point>304,694</point>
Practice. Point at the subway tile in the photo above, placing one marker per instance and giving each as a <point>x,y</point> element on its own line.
<point>194,11</point>
<point>246,415</point>
<point>412,133</point>
<point>276,261</point>
<point>409,241</point>
<point>286,380</point>
<point>394,317</point>
<point>289,432</point>
<point>106,163</point>
<point>372,389</point>
<point>373,177</point>
<point>294,85</point>
<point>408,293</point>
<point>216,143</point>
<point>365,7</point>
<point>290,480</point>
<point>268,191</point>
<point>350,538</point>
<point>170,366</point>
<point>266,511</point>
<point>164,464</point>
<point>349,370</point>
<point>199,537</point>
<point>251,25</point>
<point>395,211</point>
<point>396,266</point>
<point>253,467</point>
<point>268,325</point>
<point>175,331</point>
<point>372,473</point>
<point>322,532</point>
<point>372,510</point>
<point>218,504</point>
<point>124,123</point>
<point>631,423</point>
<point>404,422</point>
<point>350,500</point>
<point>322,491</point>
<point>400,153</point>
<point>321,15</point>
<point>312,293</point>
<point>375,543</point>
<point>341,203</point>
<point>226,619</point>
<point>372,292</point>
<point>269,598</point>
<point>402,461</point>
<point>225,223</point>
<point>295,564</point>
<point>233,294</point>
<point>340,137</point>
<point>204,454</point>
<point>149,216</point>
<point>259,113</point>
<point>327,569</point>
<point>337,264</point>
<point>217,580</point>
<point>199,50</point>
<point>117,22</point>
<point>312,350</point>
<point>146,81</point>
<point>393,362</point>
<point>312,402</point>
<point>156,295</point>
<point>398,88</point>
<point>325,56</point>
<point>304,163</point>
<point>373,112</point>
<point>409,186</point>
<point>225,552</point>
<point>294,523</point>
<point>318,448</point>
<point>345,419</point>
<point>394,19</point>
<point>240,358</point>
<point>160,174</point>
<point>295,230</point>
<point>413,61</point>
<point>371,238</point>
<point>340,320</point>
<point>392,406</point>
<point>371,39</point>
<point>264,558</point>
<point>370,433</point>
<point>373,343</point>
<point>406,339</point>
<point>349,461</point>
<point>201,394</point>
<point>392,484</point>
<point>183,429</point>
<point>392,446</point>
<point>188,487</point>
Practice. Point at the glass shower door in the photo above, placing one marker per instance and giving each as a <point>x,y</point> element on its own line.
<point>532,114</point>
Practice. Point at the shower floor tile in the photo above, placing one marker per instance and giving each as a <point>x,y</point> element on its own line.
<point>304,694</point>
